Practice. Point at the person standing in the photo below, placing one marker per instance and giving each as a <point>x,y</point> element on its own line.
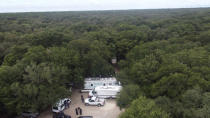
<point>80,110</point>
<point>68,104</point>
<point>65,104</point>
<point>82,98</point>
<point>76,110</point>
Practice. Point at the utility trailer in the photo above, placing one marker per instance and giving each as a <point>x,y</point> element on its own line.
<point>105,91</point>
<point>92,82</point>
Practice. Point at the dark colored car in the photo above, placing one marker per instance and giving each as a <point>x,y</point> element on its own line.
<point>28,114</point>
<point>67,116</point>
<point>60,115</point>
<point>85,117</point>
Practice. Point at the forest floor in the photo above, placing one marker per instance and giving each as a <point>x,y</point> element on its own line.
<point>109,110</point>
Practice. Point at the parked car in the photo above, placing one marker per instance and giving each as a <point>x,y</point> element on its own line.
<point>60,105</point>
<point>67,116</point>
<point>28,114</point>
<point>60,115</point>
<point>85,117</point>
<point>94,101</point>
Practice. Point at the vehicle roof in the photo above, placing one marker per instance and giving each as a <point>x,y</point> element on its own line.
<point>93,98</point>
<point>60,102</point>
<point>108,88</point>
<point>101,79</point>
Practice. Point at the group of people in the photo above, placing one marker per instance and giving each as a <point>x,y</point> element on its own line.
<point>78,111</point>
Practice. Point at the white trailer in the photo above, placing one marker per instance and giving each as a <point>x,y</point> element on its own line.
<point>91,83</point>
<point>105,91</point>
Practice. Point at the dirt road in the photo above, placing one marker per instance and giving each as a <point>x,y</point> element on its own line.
<point>109,110</point>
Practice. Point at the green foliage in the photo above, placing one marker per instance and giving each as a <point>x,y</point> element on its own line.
<point>40,86</point>
<point>160,71</point>
<point>48,39</point>
<point>162,54</point>
<point>15,54</point>
<point>44,84</point>
<point>144,108</point>
<point>35,54</point>
<point>196,104</point>
<point>128,94</point>
<point>94,57</point>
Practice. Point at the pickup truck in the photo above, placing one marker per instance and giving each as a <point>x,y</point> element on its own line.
<point>94,101</point>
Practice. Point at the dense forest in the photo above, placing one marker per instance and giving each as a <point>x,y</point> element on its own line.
<point>163,59</point>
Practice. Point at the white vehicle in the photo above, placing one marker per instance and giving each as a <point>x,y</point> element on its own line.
<point>94,101</point>
<point>60,105</point>
<point>105,91</point>
<point>91,83</point>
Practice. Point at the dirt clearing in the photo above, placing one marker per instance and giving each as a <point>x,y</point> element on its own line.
<point>109,110</point>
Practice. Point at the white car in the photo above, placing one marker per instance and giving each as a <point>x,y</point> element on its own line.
<point>94,101</point>
<point>60,105</point>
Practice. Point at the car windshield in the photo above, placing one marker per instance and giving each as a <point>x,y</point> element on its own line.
<point>56,108</point>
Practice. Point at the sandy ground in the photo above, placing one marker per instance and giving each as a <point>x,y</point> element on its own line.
<point>109,110</point>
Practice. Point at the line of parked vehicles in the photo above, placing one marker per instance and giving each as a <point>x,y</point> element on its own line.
<point>98,94</point>
<point>99,89</point>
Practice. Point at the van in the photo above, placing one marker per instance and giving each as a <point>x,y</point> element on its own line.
<point>105,91</point>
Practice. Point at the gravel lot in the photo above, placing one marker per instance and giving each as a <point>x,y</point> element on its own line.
<point>109,110</point>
